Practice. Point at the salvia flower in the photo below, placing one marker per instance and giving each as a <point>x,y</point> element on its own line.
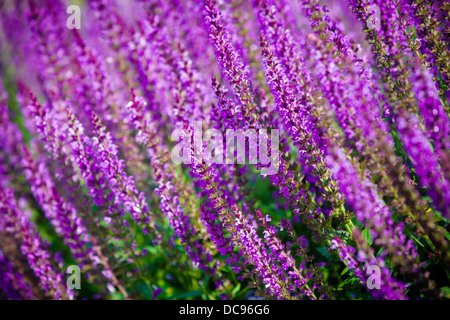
<point>358,203</point>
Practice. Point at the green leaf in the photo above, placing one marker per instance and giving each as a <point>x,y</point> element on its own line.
<point>446,291</point>
<point>190,294</point>
<point>236,289</point>
<point>366,234</point>
<point>344,271</point>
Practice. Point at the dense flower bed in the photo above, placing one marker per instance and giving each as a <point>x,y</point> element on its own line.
<point>358,199</point>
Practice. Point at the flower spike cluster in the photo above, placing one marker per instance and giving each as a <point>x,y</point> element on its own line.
<point>225,149</point>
